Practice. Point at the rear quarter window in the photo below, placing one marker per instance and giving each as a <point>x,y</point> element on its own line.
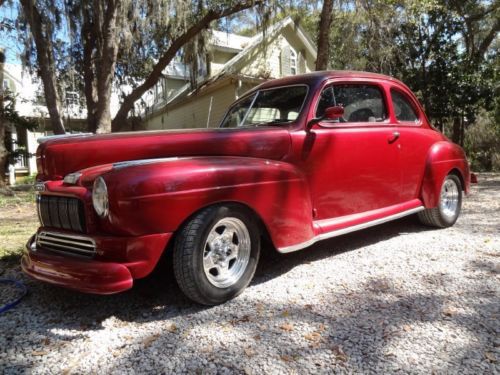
<point>403,109</point>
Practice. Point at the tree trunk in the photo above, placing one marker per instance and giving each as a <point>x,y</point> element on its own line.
<point>89,43</point>
<point>107,52</point>
<point>121,117</point>
<point>46,65</point>
<point>324,35</point>
<point>3,150</point>
<point>455,136</point>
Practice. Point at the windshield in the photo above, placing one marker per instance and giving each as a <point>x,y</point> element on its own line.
<point>265,107</point>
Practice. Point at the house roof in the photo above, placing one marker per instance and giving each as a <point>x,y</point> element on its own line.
<point>257,39</point>
<point>230,42</point>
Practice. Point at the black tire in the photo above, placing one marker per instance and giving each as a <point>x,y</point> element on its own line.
<point>441,217</point>
<point>191,245</point>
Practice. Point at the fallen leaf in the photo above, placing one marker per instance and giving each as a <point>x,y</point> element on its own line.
<point>287,327</point>
<point>46,341</point>
<point>315,345</point>
<point>39,352</point>
<point>321,328</point>
<point>490,357</point>
<point>207,349</point>
<point>243,319</point>
<point>172,328</point>
<point>313,336</point>
<point>150,339</point>
<point>285,313</point>
<point>449,311</point>
<point>406,328</point>
<point>287,358</point>
<point>339,353</point>
<point>257,337</point>
<point>250,352</point>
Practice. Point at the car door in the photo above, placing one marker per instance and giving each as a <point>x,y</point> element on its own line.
<point>416,138</point>
<point>352,164</point>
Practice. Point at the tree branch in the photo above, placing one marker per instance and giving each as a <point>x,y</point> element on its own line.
<point>170,53</point>
<point>485,44</point>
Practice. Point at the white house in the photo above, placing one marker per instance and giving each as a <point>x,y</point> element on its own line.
<point>235,65</point>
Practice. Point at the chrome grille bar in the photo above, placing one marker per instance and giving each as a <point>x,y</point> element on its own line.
<point>61,212</point>
<point>66,243</point>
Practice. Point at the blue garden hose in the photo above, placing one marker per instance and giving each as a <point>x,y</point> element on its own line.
<point>19,286</point>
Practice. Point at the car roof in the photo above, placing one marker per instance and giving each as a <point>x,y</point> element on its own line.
<point>316,77</point>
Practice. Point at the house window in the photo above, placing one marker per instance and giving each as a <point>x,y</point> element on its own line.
<point>72,98</point>
<point>40,98</point>
<point>293,61</point>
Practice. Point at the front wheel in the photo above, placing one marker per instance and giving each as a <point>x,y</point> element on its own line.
<point>216,254</point>
<point>448,209</point>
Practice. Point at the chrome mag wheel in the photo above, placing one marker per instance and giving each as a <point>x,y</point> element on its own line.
<point>449,199</point>
<point>226,252</point>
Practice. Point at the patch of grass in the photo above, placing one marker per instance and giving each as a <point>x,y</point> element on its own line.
<point>19,197</point>
<point>28,180</point>
<point>10,257</point>
<point>18,222</point>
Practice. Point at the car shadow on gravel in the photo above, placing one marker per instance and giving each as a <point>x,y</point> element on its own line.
<point>274,265</point>
<point>158,297</point>
<point>160,289</point>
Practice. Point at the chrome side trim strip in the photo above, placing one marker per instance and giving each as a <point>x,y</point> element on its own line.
<point>350,229</point>
<point>131,163</point>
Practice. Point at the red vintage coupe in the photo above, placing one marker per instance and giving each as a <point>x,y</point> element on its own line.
<point>295,160</point>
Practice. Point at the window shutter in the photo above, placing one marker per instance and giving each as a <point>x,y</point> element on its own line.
<point>285,61</point>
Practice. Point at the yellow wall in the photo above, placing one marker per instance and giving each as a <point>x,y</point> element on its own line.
<point>267,61</point>
<point>194,113</point>
<point>218,59</point>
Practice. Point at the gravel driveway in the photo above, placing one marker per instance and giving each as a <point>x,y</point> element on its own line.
<point>395,298</point>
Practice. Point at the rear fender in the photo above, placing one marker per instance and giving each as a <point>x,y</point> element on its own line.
<point>159,197</point>
<point>443,158</point>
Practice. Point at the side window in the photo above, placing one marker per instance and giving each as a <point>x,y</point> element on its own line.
<point>237,114</point>
<point>362,103</point>
<point>403,110</point>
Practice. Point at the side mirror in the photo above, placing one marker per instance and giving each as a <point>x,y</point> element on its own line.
<point>334,113</point>
<point>331,113</point>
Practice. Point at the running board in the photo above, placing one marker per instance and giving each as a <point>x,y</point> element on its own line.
<point>340,232</point>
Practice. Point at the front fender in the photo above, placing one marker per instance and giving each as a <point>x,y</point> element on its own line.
<point>443,158</point>
<point>158,197</point>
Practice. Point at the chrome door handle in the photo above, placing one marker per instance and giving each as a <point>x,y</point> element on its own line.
<point>393,138</point>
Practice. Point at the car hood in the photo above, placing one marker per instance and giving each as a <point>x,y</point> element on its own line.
<point>57,157</point>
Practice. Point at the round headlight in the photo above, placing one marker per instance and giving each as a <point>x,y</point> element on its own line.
<point>100,197</point>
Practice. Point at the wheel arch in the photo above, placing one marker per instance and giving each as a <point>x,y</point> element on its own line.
<point>444,158</point>
<point>263,228</point>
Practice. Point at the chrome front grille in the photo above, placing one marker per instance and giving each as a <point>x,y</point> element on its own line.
<point>66,243</point>
<point>61,212</point>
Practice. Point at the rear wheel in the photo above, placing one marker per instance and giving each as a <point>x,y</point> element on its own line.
<point>449,206</point>
<point>216,254</point>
